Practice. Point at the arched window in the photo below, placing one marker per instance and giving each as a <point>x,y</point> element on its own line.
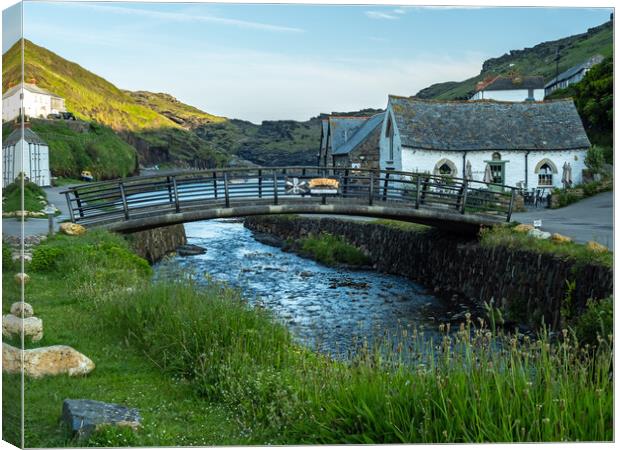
<point>445,167</point>
<point>496,156</point>
<point>545,175</point>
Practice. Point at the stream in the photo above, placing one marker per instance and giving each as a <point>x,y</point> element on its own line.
<point>331,310</point>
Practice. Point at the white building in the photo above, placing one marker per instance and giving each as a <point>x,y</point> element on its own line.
<point>573,75</point>
<point>37,102</point>
<point>525,143</point>
<point>28,154</point>
<point>511,89</point>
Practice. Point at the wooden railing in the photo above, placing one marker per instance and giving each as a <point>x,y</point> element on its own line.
<point>163,193</point>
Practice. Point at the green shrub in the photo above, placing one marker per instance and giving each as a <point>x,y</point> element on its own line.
<point>7,258</point>
<point>329,249</point>
<point>45,258</point>
<point>34,197</point>
<point>595,158</point>
<point>596,321</point>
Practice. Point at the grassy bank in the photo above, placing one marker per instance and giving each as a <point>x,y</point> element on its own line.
<point>332,250</point>
<point>204,368</point>
<point>34,197</point>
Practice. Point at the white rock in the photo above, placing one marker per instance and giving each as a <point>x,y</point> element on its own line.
<point>22,309</point>
<point>539,234</point>
<point>31,326</point>
<point>39,362</point>
<point>21,278</point>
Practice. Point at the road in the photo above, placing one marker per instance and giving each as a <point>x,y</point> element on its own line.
<point>591,219</point>
<point>12,226</point>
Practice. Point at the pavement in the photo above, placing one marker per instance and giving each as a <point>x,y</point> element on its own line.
<point>591,219</point>
<point>12,226</point>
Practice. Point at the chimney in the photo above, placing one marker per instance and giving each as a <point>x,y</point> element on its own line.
<point>32,80</point>
<point>17,124</point>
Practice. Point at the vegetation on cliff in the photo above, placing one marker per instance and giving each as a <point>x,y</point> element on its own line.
<point>537,60</point>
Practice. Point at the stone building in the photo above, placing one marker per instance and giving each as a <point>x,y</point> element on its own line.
<point>350,141</point>
<point>32,99</point>
<point>525,144</point>
<point>573,75</point>
<point>511,89</point>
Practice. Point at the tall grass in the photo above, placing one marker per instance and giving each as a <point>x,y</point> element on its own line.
<point>332,250</point>
<point>475,385</point>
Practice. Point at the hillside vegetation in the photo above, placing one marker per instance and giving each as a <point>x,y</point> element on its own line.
<point>537,60</point>
<point>78,145</point>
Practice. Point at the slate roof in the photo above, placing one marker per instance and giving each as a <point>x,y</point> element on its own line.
<point>508,83</point>
<point>488,125</point>
<point>342,128</point>
<point>360,135</point>
<point>29,136</point>
<point>30,87</point>
<point>596,59</point>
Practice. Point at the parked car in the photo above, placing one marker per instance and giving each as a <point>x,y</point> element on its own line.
<point>63,115</point>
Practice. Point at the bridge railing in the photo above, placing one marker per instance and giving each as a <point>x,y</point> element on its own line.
<point>171,192</point>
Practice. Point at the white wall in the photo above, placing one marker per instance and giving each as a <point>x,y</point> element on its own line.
<point>513,95</point>
<point>35,105</point>
<point>32,159</point>
<point>418,160</point>
<point>10,107</point>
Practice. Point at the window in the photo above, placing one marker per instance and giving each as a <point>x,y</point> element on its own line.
<point>496,156</point>
<point>445,170</point>
<point>545,175</point>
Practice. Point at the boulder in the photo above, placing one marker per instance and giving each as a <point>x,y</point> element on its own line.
<point>82,417</point>
<point>596,247</point>
<point>21,278</point>
<point>523,228</point>
<point>560,239</point>
<point>31,326</point>
<point>22,309</point>
<point>539,234</point>
<point>190,250</point>
<point>72,229</point>
<point>43,361</point>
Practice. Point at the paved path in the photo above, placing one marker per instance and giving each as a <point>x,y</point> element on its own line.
<point>591,219</point>
<point>12,226</point>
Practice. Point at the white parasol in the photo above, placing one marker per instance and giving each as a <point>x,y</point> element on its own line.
<point>488,176</point>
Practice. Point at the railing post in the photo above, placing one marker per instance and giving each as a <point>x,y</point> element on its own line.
<point>169,188</point>
<point>214,184</point>
<point>275,188</point>
<point>70,206</point>
<point>463,197</point>
<point>346,182</point>
<point>371,188</point>
<point>78,202</point>
<point>511,204</point>
<point>418,189</point>
<point>124,199</point>
<point>424,190</point>
<point>177,206</point>
<point>260,183</point>
<point>385,185</point>
<point>226,198</point>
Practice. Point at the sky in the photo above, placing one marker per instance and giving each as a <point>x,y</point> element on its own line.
<point>269,62</point>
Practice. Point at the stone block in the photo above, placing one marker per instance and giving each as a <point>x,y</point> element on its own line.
<point>539,234</point>
<point>596,247</point>
<point>523,228</point>
<point>72,229</point>
<point>43,361</point>
<point>22,309</point>
<point>30,326</point>
<point>21,278</point>
<point>83,417</point>
<point>560,239</point>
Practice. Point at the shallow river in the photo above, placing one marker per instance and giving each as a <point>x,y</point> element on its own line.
<point>329,309</point>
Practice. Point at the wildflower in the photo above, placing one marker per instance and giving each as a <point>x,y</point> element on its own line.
<point>546,420</point>
<point>467,316</point>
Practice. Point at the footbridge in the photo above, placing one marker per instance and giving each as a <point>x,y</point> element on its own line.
<point>143,202</point>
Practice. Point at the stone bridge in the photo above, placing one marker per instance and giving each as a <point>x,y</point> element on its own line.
<point>144,202</point>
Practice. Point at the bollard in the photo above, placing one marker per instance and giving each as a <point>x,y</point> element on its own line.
<point>50,210</point>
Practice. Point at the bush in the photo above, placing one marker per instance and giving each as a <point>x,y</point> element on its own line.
<point>331,250</point>
<point>595,158</point>
<point>597,320</point>
<point>45,258</point>
<point>7,258</point>
<point>34,196</point>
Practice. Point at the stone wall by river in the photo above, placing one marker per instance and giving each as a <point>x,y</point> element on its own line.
<point>526,286</point>
<point>156,243</point>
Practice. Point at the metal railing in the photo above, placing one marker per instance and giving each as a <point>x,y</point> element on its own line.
<point>176,192</point>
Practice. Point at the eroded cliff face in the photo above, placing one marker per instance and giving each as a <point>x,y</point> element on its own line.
<point>527,286</point>
<point>156,243</point>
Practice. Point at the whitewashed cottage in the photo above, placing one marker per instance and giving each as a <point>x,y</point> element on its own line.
<point>573,75</point>
<point>26,153</point>
<point>511,89</point>
<point>36,102</point>
<point>525,144</point>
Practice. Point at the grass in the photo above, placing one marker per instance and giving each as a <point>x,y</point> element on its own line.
<point>332,250</point>
<point>34,197</point>
<point>204,368</point>
<point>507,237</point>
<point>568,196</point>
<point>404,226</point>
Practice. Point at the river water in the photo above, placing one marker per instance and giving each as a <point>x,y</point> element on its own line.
<point>329,309</point>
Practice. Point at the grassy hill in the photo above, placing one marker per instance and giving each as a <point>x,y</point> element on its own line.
<point>78,145</point>
<point>537,60</point>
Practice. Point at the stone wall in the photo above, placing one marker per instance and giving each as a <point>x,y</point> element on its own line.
<point>156,243</point>
<point>526,286</point>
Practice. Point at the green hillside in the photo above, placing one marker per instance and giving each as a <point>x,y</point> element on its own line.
<point>78,145</point>
<point>537,60</point>
<point>157,138</point>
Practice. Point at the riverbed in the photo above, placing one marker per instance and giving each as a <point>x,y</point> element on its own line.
<point>331,310</point>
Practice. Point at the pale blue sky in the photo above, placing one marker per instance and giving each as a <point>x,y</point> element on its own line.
<point>260,62</point>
